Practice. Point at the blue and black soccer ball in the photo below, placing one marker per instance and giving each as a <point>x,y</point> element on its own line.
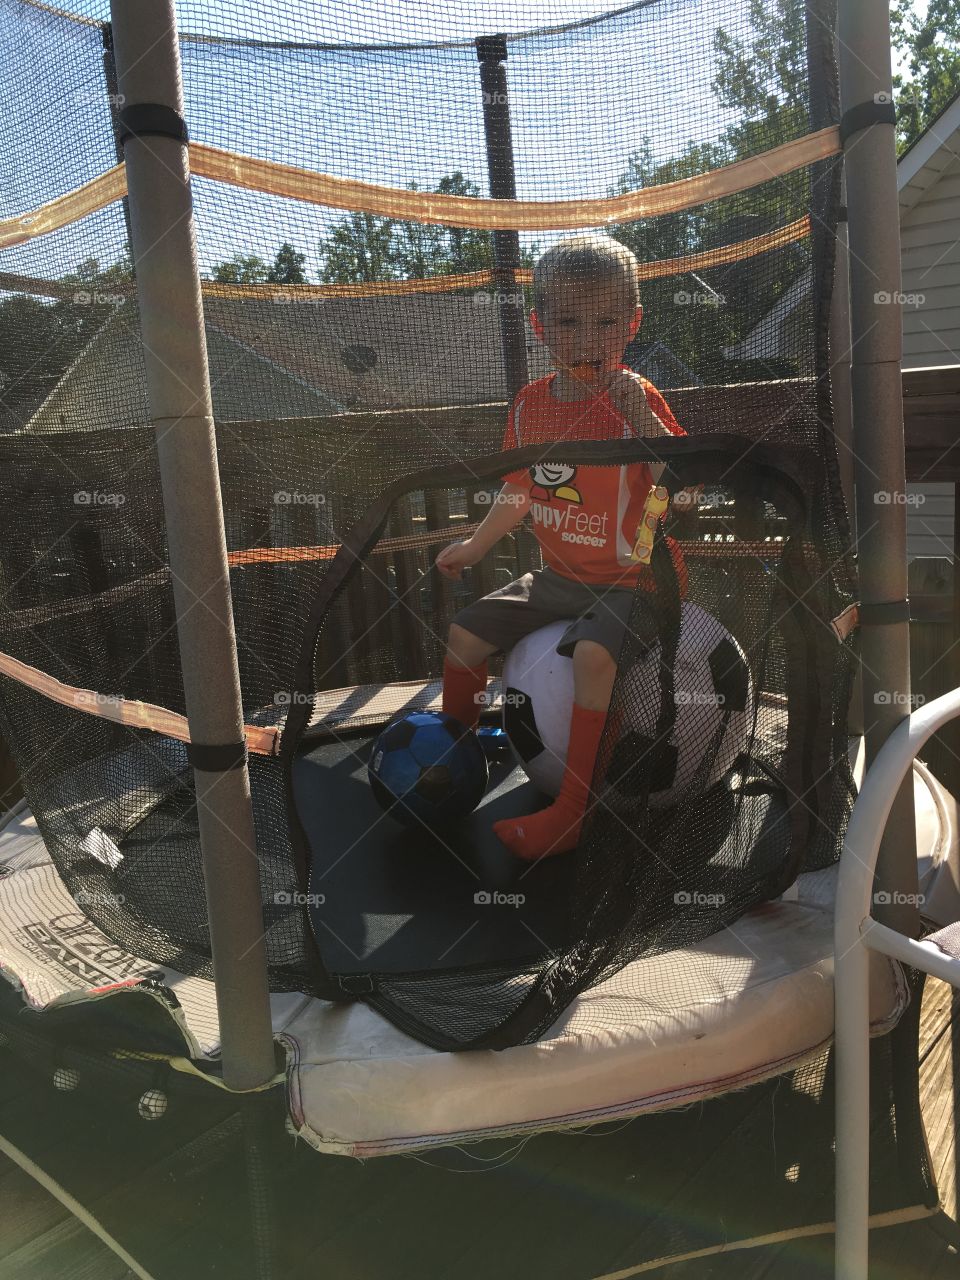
<point>427,768</point>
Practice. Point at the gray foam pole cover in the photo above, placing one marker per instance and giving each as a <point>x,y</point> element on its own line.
<point>840,385</point>
<point>877,390</point>
<point>506,243</point>
<point>178,389</point>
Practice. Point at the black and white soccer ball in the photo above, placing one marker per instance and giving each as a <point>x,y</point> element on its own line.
<point>713,698</point>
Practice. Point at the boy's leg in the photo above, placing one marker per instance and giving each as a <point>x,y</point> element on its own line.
<point>495,623</point>
<point>465,675</point>
<point>594,642</point>
<point>556,829</point>
<point>594,671</point>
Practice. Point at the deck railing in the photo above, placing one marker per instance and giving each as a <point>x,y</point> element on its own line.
<point>932,439</point>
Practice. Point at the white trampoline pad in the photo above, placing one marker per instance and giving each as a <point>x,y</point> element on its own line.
<point>744,1005</point>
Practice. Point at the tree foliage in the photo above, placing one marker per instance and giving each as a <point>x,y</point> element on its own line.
<point>669,301</point>
<point>930,50</point>
<point>242,269</point>
<point>365,248</point>
<point>359,250</point>
<point>288,266</point>
<point>763,79</point>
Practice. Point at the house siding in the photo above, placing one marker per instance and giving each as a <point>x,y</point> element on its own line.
<point>930,269</point>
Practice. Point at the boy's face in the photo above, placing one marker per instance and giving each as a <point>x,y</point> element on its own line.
<point>587,324</point>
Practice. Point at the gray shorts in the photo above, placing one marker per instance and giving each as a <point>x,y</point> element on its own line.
<point>601,614</point>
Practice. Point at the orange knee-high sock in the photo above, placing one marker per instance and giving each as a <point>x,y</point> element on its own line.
<point>557,828</point>
<point>461,687</point>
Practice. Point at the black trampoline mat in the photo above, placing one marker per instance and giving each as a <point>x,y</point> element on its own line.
<point>396,900</point>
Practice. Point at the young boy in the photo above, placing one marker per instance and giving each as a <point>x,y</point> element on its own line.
<point>586,310</point>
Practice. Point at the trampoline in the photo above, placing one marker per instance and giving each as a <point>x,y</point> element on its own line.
<point>275,276</point>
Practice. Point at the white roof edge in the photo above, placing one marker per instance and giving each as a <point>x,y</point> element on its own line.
<point>936,136</point>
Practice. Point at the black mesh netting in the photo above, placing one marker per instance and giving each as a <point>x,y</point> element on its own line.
<point>361,397</point>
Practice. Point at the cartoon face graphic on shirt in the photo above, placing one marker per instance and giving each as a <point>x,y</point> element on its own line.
<point>553,479</point>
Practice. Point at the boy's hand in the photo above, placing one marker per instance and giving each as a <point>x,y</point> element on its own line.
<point>454,559</point>
<point>625,389</point>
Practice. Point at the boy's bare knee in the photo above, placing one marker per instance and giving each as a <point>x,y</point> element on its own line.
<point>458,639</point>
<point>593,659</point>
<point>466,648</point>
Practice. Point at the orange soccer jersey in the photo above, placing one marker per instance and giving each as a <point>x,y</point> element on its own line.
<point>586,518</point>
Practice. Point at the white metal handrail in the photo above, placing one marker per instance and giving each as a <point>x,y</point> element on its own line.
<point>856,933</point>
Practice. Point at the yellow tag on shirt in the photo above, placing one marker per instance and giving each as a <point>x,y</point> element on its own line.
<point>656,503</point>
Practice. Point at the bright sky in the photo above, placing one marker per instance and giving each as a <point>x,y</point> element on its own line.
<point>581,102</point>
<point>395,22</point>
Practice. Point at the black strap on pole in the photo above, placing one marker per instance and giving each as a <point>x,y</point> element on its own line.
<point>884,613</point>
<point>150,119</point>
<point>880,111</point>
<point>217,757</point>
<point>491,54</point>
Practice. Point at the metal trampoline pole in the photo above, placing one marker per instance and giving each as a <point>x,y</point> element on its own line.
<point>178,388</point>
<point>492,53</point>
<point>840,362</point>
<point>873,227</point>
<point>842,414</point>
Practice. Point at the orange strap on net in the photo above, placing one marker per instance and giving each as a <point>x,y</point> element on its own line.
<point>306,293</point>
<point>354,196</point>
<point>261,740</point>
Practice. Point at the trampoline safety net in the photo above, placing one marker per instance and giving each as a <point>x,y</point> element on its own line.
<point>372,326</point>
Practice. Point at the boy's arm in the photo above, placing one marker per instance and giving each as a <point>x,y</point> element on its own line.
<point>627,392</point>
<point>509,507</point>
<point>630,397</point>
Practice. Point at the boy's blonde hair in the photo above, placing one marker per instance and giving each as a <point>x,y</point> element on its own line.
<point>586,260</point>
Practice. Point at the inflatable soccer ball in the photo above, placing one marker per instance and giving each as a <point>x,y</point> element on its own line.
<point>428,768</point>
<point>713,695</point>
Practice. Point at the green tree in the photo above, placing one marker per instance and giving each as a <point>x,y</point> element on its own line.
<point>287,266</point>
<point>364,248</point>
<point>466,248</point>
<point>359,250</point>
<point>765,80</point>
<point>671,234</point>
<point>429,249</point>
<point>417,249</point>
<point>762,78</point>
<point>242,269</point>
<point>930,50</point>
<point>678,311</point>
